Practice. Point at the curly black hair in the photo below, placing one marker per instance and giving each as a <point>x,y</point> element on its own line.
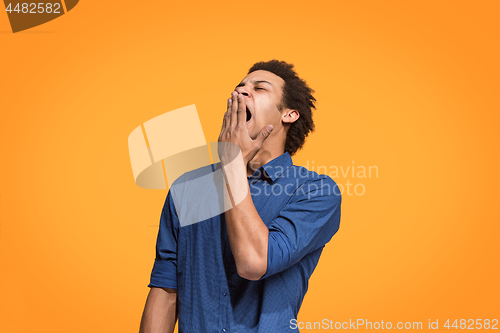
<point>297,95</point>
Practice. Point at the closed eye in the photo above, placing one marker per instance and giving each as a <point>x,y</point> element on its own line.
<point>257,88</point>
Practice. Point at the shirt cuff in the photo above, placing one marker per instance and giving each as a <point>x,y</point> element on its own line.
<point>164,274</point>
<point>276,250</point>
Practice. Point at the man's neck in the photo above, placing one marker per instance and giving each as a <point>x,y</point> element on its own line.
<point>269,151</point>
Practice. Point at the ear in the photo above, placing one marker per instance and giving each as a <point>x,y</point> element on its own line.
<point>290,116</point>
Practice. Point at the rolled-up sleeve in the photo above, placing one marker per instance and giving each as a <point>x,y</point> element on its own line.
<point>305,224</point>
<point>164,273</point>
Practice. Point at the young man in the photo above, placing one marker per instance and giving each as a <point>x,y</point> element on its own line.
<point>247,269</point>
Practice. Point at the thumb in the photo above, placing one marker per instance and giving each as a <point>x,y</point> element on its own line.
<point>264,133</point>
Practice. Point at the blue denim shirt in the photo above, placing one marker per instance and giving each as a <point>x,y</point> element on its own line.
<point>301,210</point>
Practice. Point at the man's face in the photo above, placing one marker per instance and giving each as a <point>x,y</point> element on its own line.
<point>262,92</point>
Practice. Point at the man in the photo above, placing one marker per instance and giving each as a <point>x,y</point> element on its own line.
<point>247,269</point>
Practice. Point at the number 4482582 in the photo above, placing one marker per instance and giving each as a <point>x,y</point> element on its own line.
<point>471,324</point>
<point>34,8</point>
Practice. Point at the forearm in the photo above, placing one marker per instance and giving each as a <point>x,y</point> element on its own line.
<point>160,312</point>
<point>247,233</point>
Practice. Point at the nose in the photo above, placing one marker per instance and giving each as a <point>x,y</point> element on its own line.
<point>243,90</point>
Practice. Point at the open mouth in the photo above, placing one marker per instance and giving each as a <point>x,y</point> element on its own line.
<point>249,115</point>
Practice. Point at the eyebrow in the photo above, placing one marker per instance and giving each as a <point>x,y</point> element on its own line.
<point>254,82</point>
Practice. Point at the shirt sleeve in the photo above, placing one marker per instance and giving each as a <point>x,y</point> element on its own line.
<point>164,273</point>
<point>305,224</point>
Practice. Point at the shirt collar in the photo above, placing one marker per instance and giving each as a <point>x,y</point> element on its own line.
<point>276,167</point>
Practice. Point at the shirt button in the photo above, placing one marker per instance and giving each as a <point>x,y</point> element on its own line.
<point>223,330</point>
<point>224,293</point>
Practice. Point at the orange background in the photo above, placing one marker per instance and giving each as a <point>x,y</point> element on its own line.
<point>411,88</point>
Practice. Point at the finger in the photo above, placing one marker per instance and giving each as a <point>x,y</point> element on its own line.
<point>242,111</point>
<point>264,134</point>
<point>223,128</point>
<point>234,107</point>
